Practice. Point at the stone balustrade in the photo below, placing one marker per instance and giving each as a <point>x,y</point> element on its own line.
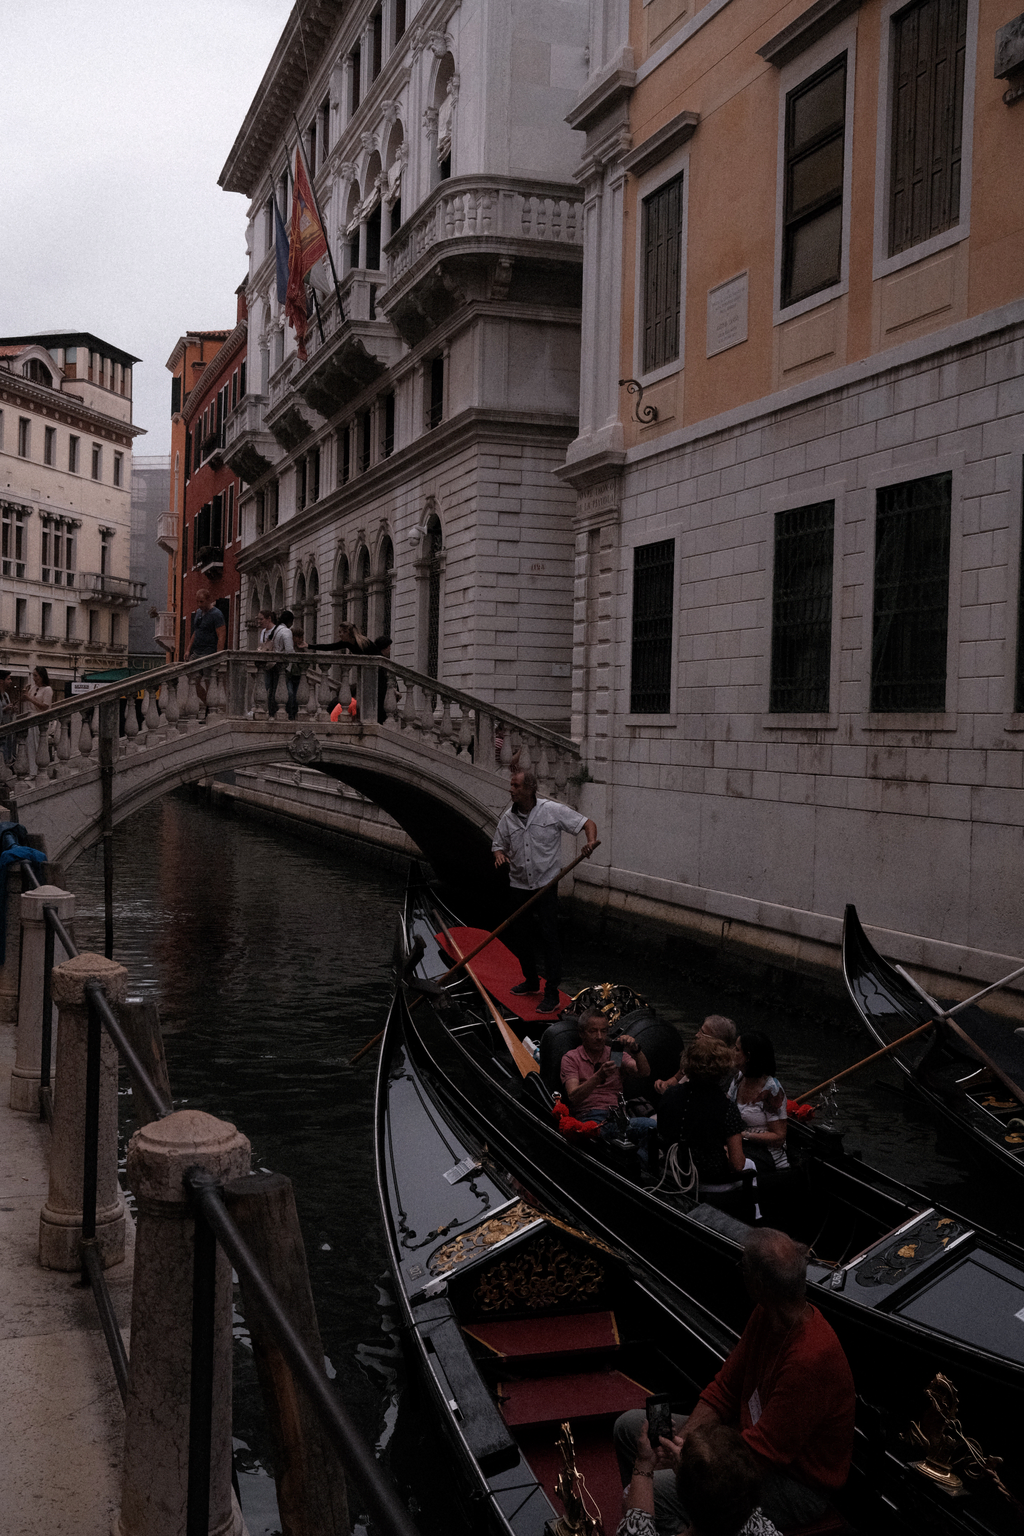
<point>167,702</point>
<point>495,207</point>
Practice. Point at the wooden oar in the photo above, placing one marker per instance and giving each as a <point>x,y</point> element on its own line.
<point>484,942</point>
<point>1007,1082</point>
<point>858,1064</point>
<point>520,1055</point>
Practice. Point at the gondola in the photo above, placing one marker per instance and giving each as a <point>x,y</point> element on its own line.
<point>910,1289</point>
<point>971,1077</point>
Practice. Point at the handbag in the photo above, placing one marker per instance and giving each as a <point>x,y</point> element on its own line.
<point>267,645</point>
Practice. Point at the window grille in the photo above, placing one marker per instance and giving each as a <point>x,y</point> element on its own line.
<point>650,691</point>
<point>911,613</point>
<point>929,44</point>
<point>662,240</point>
<point>813,219</point>
<point>802,609</point>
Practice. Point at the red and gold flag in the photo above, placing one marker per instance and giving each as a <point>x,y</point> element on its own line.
<point>307,243</point>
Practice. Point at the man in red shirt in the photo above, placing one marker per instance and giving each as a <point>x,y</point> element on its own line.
<point>787,1387</point>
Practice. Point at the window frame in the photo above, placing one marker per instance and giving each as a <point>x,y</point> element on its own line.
<point>661,716</point>
<point>916,469</point>
<point>667,170</point>
<point>842,39</point>
<point>883,263</point>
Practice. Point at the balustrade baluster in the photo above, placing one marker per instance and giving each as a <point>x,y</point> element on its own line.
<point>6,776</point>
<point>151,713</point>
<point>216,694</point>
<point>505,754</point>
<point>428,701</point>
<point>345,694</point>
<point>465,732</point>
<point>42,750</point>
<point>22,766</point>
<point>191,710</point>
<point>561,775</point>
<point>444,726</point>
<point>391,702</point>
<point>131,724</point>
<point>64,741</point>
<point>302,694</point>
<point>85,733</point>
<point>259,693</point>
<point>524,761</point>
<point>544,770</point>
<point>169,699</point>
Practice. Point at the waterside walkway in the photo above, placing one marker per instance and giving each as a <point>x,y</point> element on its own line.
<point>61,1420</point>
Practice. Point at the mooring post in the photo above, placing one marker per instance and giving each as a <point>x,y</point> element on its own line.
<point>154,1479</point>
<point>31,987</point>
<point>311,1494</point>
<point>60,1223</point>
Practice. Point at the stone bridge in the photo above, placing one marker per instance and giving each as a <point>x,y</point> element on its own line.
<point>438,761</point>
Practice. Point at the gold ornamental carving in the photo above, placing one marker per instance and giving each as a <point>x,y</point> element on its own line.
<point>948,1452</point>
<point>571,1488</point>
<point>545,1275</point>
<point>468,1245</point>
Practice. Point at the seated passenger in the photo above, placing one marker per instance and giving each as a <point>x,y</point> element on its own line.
<point>787,1387</point>
<point>699,1118</point>
<point>716,1025</point>
<point>593,1081</point>
<point>717,1484</point>
<point>761,1101</point>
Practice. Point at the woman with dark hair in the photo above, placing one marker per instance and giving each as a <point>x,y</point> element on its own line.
<point>702,1121</point>
<point>39,694</point>
<point>761,1101</point>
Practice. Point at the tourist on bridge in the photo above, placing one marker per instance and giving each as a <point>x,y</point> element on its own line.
<point>209,634</point>
<point>528,840</point>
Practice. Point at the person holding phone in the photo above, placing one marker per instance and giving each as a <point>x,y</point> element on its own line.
<point>717,1483</point>
<point>593,1080</point>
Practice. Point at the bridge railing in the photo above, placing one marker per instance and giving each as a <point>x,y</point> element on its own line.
<point>366,695</point>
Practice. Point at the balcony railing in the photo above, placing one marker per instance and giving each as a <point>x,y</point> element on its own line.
<point>245,418</point>
<point>98,586</point>
<point>167,531</point>
<point>485,208</point>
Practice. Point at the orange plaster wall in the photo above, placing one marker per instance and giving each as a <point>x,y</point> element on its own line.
<point>997,181</point>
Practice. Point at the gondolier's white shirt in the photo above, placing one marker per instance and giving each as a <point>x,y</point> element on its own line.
<point>533,843</point>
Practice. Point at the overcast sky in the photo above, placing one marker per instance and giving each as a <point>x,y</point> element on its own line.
<point>116,118</point>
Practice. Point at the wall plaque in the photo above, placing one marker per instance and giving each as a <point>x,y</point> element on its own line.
<point>727,314</point>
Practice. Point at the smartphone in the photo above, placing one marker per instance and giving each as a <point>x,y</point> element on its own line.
<point>659,1420</point>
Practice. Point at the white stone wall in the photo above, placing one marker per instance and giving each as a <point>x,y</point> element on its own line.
<point>741,816</point>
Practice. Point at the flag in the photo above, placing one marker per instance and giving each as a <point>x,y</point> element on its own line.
<point>281,251</point>
<point>306,245</point>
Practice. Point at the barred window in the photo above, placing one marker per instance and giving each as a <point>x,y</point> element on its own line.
<point>929,44</point>
<point>650,688</point>
<point>802,609</point>
<point>911,614</point>
<point>662,241</point>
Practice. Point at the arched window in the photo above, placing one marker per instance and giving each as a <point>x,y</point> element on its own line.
<point>312,606</point>
<point>341,590</point>
<point>433,595</point>
<point>37,372</point>
<point>372,212</point>
<point>363,591</point>
<point>387,584</point>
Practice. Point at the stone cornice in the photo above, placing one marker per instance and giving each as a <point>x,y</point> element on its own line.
<point>806,30</point>
<point>662,143</point>
<point>224,355</point>
<point>606,93</point>
<point>66,407</point>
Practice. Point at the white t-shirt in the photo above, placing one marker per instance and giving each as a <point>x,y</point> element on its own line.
<point>283,640</point>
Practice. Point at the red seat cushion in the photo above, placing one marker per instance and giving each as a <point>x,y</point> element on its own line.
<point>550,1399</point>
<point>530,1336</point>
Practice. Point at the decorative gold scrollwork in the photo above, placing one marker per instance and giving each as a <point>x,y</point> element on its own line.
<point>544,1275</point>
<point>469,1244</point>
<point>947,1450</point>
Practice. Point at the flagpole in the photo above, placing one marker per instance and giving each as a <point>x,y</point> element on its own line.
<point>323,226</point>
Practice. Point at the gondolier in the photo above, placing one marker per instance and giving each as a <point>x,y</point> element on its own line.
<point>528,840</point>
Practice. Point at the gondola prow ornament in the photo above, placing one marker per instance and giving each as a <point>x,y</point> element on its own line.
<point>571,1488</point>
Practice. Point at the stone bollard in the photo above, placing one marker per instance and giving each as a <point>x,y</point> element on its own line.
<point>25,1076</point>
<point>60,1224</point>
<point>154,1479</point>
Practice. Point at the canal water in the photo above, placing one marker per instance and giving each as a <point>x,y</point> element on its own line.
<point>270,958</point>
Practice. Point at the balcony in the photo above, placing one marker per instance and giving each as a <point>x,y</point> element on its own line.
<point>358,346</point>
<point>164,630</point>
<point>167,531</point>
<point>480,237</point>
<point>118,591</point>
<point>210,561</point>
<point>249,448</point>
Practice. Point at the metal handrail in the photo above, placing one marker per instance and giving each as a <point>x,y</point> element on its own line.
<point>215,1223</point>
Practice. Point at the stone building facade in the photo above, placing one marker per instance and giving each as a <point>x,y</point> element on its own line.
<point>66,439</point>
<point>151,476</point>
<point>798,643</point>
<point>403,477</point>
